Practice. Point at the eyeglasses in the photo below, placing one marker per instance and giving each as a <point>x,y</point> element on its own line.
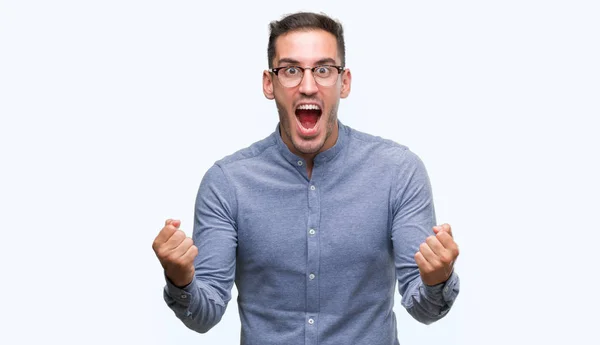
<point>291,76</point>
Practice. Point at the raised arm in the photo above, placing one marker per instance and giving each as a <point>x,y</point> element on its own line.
<point>198,290</point>
<point>428,290</point>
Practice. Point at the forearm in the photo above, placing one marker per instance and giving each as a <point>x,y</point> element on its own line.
<point>197,305</point>
<point>428,304</point>
<point>201,304</point>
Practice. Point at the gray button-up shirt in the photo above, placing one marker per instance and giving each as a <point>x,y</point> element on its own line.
<point>315,261</point>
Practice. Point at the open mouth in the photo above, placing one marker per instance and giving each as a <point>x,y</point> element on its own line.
<point>308,115</point>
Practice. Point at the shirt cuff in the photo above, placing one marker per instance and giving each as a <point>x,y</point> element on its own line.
<point>446,291</point>
<point>182,295</point>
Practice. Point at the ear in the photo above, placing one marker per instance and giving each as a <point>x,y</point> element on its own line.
<point>268,85</point>
<point>346,83</point>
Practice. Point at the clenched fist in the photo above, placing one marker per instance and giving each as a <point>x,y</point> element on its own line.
<point>436,256</point>
<point>176,253</point>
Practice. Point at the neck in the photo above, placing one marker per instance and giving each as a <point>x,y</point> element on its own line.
<point>330,141</point>
<point>310,157</point>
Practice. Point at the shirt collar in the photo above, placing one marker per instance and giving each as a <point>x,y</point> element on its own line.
<point>320,157</point>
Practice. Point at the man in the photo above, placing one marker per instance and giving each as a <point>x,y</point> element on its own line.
<point>316,222</point>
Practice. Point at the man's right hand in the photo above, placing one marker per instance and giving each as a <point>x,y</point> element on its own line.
<point>176,253</point>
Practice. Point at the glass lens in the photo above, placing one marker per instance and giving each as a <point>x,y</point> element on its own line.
<point>292,76</point>
<point>325,75</point>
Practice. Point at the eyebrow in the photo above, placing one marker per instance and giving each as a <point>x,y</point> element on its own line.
<point>324,61</point>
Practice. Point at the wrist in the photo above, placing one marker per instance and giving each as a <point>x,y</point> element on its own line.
<point>178,281</point>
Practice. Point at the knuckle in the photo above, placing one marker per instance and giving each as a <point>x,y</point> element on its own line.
<point>432,241</point>
<point>161,253</point>
<point>418,259</point>
<point>172,258</point>
<point>179,262</point>
<point>188,242</point>
<point>177,236</point>
<point>184,262</point>
<point>453,254</point>
<point>446,258</point>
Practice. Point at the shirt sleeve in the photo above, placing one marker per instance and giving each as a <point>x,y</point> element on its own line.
<point>201,304</point>
<point>412,222</point>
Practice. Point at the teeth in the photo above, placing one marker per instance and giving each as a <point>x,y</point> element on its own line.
<point>309,107</point>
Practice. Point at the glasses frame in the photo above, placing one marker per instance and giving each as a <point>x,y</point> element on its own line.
<point>276,70</point>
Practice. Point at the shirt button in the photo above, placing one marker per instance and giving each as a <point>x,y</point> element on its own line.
<point>311,276</point>
<point>446,289</point>
<point>313,187</point>
<point>311,321</point>
<point>183,296</point>
<point>300,163</point>
<point>312,231</point>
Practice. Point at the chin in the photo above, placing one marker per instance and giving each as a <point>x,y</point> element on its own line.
<point>309,146</point>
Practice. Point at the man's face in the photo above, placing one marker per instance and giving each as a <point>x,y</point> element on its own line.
<point>307,112</point>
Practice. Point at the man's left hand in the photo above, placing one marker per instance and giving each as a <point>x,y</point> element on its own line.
<point>436,256</point>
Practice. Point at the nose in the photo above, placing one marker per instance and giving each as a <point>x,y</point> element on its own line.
<point>308,84</point>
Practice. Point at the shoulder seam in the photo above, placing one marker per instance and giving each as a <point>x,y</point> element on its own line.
<point>222,163</point>
<point>235,196</point>
<point>387,142</point>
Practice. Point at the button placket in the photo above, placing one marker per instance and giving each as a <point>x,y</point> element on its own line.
<point>313,259</point>
<point>311,334</point>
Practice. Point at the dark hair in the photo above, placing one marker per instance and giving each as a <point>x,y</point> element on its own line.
<point>306,21</point>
